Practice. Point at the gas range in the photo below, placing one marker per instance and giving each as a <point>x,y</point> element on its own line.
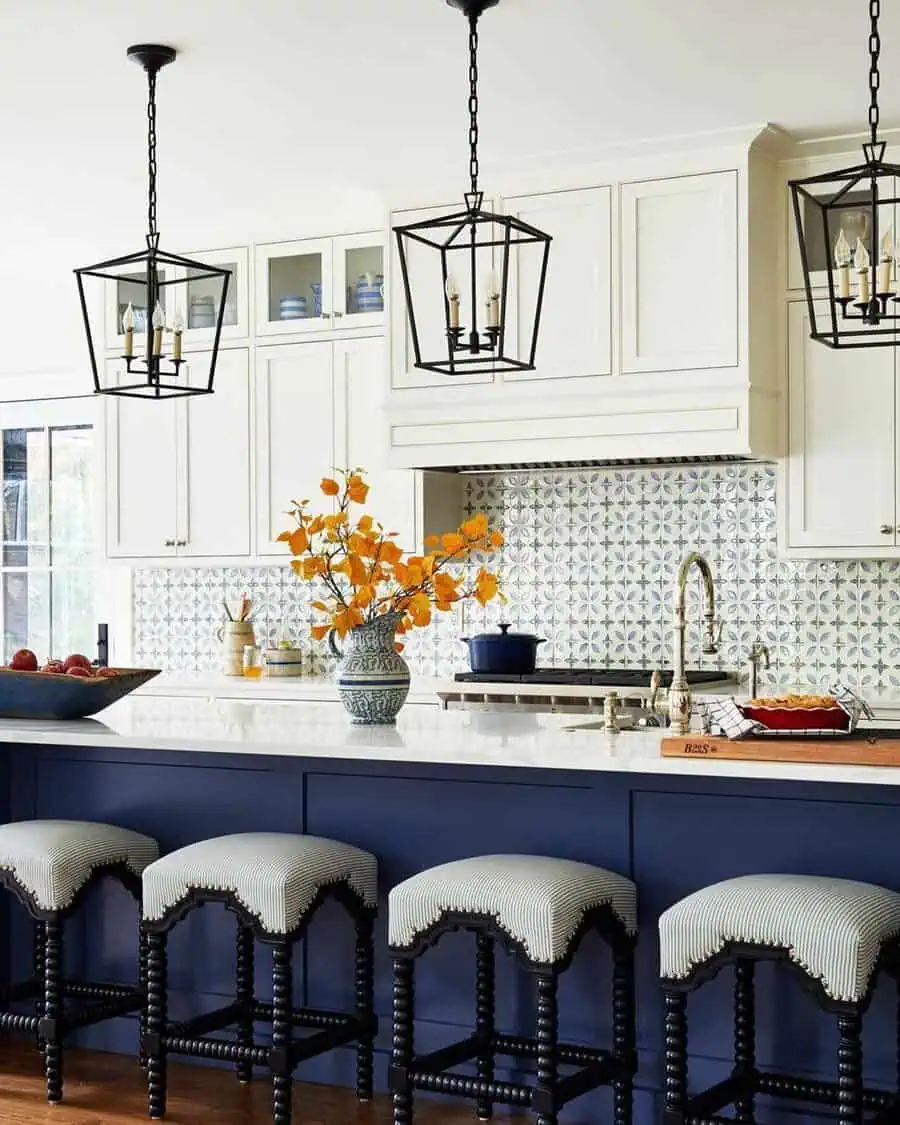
<point>568,690</point>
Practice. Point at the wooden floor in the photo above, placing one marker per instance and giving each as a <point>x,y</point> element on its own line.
<point>101,1088</point>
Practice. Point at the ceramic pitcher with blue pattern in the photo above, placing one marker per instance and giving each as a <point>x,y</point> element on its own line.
<point>372,677</point>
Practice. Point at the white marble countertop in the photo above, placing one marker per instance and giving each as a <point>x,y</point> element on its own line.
<point>423,735</point>
<point>316,689</point>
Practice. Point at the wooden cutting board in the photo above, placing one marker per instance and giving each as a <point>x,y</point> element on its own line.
<point>865,748</point>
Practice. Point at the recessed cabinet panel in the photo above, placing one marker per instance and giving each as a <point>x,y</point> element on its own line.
<point>427,289</point>
<point>361,435</point>
<point>215,492</point>
<point>680,273</point>
<point>295,433</point>
<point>141,476</point>
<point>575,327</point>
<point>840,469</point>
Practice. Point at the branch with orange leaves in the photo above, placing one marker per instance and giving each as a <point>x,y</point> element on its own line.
<point>367,574</point>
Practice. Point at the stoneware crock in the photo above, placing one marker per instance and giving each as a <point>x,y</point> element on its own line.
<point>372,677</point>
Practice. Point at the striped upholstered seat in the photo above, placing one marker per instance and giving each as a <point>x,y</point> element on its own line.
<point>540,902</point>
<point>52,860</point>
<point>273,875</point>
<point>832,928</point>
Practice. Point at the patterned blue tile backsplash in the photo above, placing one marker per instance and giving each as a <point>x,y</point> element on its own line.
<point>589,563</point>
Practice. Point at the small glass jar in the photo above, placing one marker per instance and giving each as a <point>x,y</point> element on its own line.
<point>252,662</point>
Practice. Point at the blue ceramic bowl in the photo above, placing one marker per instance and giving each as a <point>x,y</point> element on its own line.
<point>292,308</point>
<point>45,695</point>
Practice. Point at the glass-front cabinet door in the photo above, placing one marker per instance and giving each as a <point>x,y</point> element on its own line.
<point>294,287</point>
<point>199,298</point>
<point>359,281</point>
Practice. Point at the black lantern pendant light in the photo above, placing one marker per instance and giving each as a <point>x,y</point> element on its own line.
<point>156,368</point>
<point>843,247</point>
<point>481,270</point>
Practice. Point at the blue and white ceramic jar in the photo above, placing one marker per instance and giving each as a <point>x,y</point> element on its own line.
<point>370,293</point>
<point>316,288</point>
<point>292,308</point>
<point>372,677</point>
<point>202,312</point>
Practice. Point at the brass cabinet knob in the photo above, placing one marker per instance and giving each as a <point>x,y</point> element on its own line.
<point>181,542</point>
<point>170,543</point>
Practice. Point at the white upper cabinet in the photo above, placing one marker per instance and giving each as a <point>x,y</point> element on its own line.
<point>680,273</point>
<point>214,498</point>
<point>294,432</point>
<point>177,471</point>
<point>576,322</point>
<point>839,488</point>
<point>319,285</point>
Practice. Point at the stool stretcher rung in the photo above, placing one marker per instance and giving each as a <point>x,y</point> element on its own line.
<point>215,1020</point>
<point>462,1085</point>
<point>811,1090</point>
<point>11,1021</point>
<point>568,1053</point>
<point>452,1055</point>
<point>302,1017</point>
<point>76,988</point>
<point>219,1049</point>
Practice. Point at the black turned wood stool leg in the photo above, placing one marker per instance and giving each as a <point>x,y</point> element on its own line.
<point>850,1100</point>
<point>157,1000</point>
<point>676,1057</point>
<point>624,1035</point>
<point>484,1017</point>
<point>280,1054</point>
<point>243,995</point>
<point>38,953</point>
<point>142,978</point>
<point>402,1040</point>
<point>547,1019</point>
<point>365,1004</point>
<point>744,1036</point>
<point>51,1028</point>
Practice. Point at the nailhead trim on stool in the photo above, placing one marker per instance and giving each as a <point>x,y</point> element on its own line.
<point>539,908</point>
<point>275,884</point>
<point>49,866</point>
<point>834,935</point>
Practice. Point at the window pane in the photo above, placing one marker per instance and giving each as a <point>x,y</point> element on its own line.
<point>73,621</point>
<point>26,612</point>
<point>72,508</point>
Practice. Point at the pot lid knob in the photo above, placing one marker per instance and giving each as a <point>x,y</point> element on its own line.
<point>504,628</point>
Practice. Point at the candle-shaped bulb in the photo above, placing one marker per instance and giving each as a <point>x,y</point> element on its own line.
<point>861,265</point>
<point>842,254</point>
<point>886,262</point>
<point>451,288</point>
<point>887,245</point>
<point>128,329</point>
<point>492,299</point>
<point>177,329</point>
<point>159,321</point>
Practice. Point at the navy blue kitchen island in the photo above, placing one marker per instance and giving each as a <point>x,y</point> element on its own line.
<point>440,787</point>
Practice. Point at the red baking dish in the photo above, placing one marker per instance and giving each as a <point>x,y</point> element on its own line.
<point>799,718</point>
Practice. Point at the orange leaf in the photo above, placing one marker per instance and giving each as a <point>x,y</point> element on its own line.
<point>357,489</point>
<point>475,527</point>
<point>432,540</point>
<point>390,554</point>
<point>497,539</point>
<point>320,631</point>
<point>452,542</point>
<point>284,537</point>
<point>298,541</point>
<point>315,525</point>
<point>486,587</point>
<point>330,487</point>
<point>365,523</point>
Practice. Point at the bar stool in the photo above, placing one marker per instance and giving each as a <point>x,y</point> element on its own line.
<point>275,884</point>
<point>49,866</point>
<point>539,909</point>
<point>834,935</point>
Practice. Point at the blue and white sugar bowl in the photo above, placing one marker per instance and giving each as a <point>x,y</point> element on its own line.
<point>370,293</point>
<point>292,308</point>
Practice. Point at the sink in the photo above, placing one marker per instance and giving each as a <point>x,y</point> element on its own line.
<point>598,724</point>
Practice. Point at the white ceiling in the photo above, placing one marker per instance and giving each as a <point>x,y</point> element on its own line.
<point>277,106</point>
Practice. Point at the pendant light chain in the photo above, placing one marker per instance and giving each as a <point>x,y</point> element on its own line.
<point>152,232</point>
<point>874,74</point>
<point>473,104</point>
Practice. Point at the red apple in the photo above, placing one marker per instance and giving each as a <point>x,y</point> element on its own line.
<point>55,666</point>
<point>75,660</point>
<point>24,661</point>
<point>79,670</point>
<point>106,673</point>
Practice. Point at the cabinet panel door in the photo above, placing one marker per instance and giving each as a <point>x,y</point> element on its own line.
<point>294,433</point>
<point>214,485</point>
<point>141,474</point>
<point>840,467</point>
<point>679,273</point>
<point>427,287</point>
<point>361,437</point>
<point>294,287</point>
<point>359,281</point>
<point>575,331</point>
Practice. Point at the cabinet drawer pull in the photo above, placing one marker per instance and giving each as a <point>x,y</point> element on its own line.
<point>337,314</point>
<point>887,529</point>
<point>181,542</point>
<point>170,542</point>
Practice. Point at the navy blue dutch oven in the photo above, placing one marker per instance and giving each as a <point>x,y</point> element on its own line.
<point>503,653</point>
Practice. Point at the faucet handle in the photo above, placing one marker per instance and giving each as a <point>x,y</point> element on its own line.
<point>712,636</point>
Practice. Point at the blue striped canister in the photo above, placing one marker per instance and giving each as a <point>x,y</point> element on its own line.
<point>292,308</point>
<point>372,677</point>
<point>370,293</point>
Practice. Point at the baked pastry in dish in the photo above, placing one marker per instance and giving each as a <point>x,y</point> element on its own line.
<point>798,712</point>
